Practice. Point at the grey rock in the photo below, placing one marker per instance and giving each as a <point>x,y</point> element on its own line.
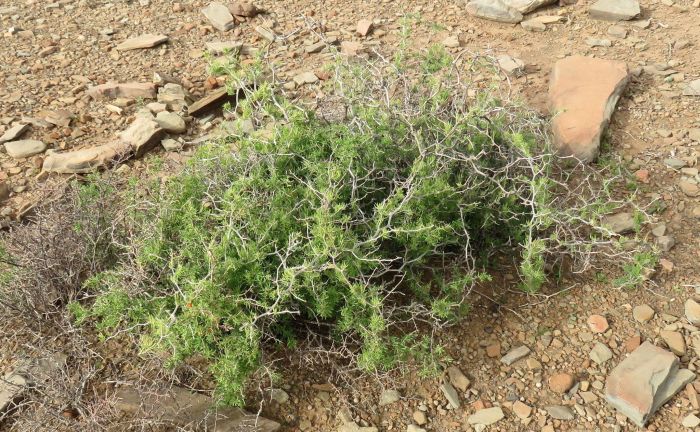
<point>675,163</point>
<point>219,16</point>
<point>86,160</point>
<point>692,89</point>
<point>457,378</point>
<point>600,353</point>
<point>615,10</point>
<point>14,132</point>
<point>598,42</point>
<point>666,243</point>
<point>527,6</point>
<point>451,394</point>
<point>172,145</point>
<point>388,397</point>
<point>515,354</point>
<point>24,148</point>
<point>495,10</point>
<point>533,25</point>
<point>619,223</point>
<point>142,135</point>
<point>171,122</point>
<point>174,96</point>
<point>559,412</point>
<point>266,33</point>
<point>305,78</point>
<point>511,65</point>
<point>486,416</point>
<point>280,396</point>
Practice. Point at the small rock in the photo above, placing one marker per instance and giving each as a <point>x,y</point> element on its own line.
<point>414,428</point>
<point>643,313</point>
<point>364,27</point>
<point>511,65</point>
<point>419,417</point>
<point>389,397</point>
<point>278,395</point>
<point>600,353</point>
<point>141,42</point>
<point>210,102</point>
<point>515,354</point>
<point>495,10</point>
<point>225,46</point>
<point>665,243</point>
<point>675,163</point>
<point>123,90</point>
<point>690,421</point>
<point>266,33</point>
<point>632,343</point>
<point>451,42</point>
<point>619,223</point>
<point>85,160</point>
<point>688,188</point>
<point>14,132</point>
<point>692,312</point>
<point>559,412</point>
<point>305,78</point>
<point>692,89</point>
<point>617,32</point>
<point>674,340</point>
<point>615,10</point>
<point>493,350</point>
<point>457,378</point>
<point>248,10</point>
<point>533,25</point>
<point>219,16</point>
<point>171,122</point>
<point>486,416</point>
<point>172,145</point>
<point>142,135</point>
<point>598,42</point>
<point>561,382</point>
<point>451,394</point>
<point>521,410</point>
<point>598,323</point>
<point>24,148</point>
<point>315,48</point>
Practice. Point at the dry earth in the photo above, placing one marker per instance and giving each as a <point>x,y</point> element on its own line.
<point>52,52</point>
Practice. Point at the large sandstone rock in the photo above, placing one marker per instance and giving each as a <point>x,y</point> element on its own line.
<point>86,160</point>
<point>615,10</point>
<point>644,381</point>
<point>495,10</point>
<point>583,93</point>
<point>186,409</point>
<point>24,148</point>
<point>142,135</point>
<point>527,6</point>
<point>14,132</point>
<point>219,16</point>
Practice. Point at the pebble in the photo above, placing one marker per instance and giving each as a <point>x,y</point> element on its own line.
<point>561,382</point>
<point>643,313</point>
<point>486,416</point>
<point>24,148</point>
<point>171,122</point>
<point>522,410</point>
<point>559,412</point>
<point>515,354</point>
<point>691,421</point>
<point>419,417</point>
<point>598,323</point>
<point>450,394</point>
<point>674,340</point>
<point>600,353</point>
<point>389,397</point>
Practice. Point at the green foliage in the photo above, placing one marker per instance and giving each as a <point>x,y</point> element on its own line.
<point>637,271</point>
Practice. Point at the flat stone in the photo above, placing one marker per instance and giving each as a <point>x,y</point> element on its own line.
<point>86,160</point>
<point>419,417</point>
<point>615,10</point>
<point>219,16</point>
<point>665,243</point>
<point>225,46</point>
<point>457,378</point>
<point>389,397</point>
<point>11,386</point>
<point>644,381</point>
<point>495,10</point>
<point>510,65</point>
<point>522,410</point>
<point>305,78</point>
<point>515,354</point>
<point>24,148</point>
<point>600,353</point>
<point>598,42</point>
<point>315,48</point>
<point>59,117</point>
<point>692,312</point>
<point>171,122</point>
<point>450,394</point>
<point>141,42</point>
<point>486,416</point>
<point>266,33</point>
<point>123,90</point>
<point>354,427</point>
<point>172,145</point>
<point>619,223</point>
<point>364,27</point>
<point>211,101</point>
<point>583,93</point>
<point>559,412</point>
<point>533,25</point>
<point>598,323</point>
<point>184,408</point>
<point>675,163</point>
<point>692,89</point>
<point>452,42</point>
<point>689,188</point>
<point>527,6</point>
<point>617,31</point>
<point>690,421</point>
<point>643,313</point>
<point>14,132</point>
<point>674,340</point>
<point>142,135</point>
<point>244,9</point>
<point>174,96</point>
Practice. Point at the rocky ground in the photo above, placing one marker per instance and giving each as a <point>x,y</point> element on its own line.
<point>55,54</point>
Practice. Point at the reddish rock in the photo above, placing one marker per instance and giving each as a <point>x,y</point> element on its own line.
<point>123,90</point>
<point>583,93</point>
<point>364,27</point>
<point>598,323</point>
<point>243,9</point>
<point>493,350</point>
<point>633,343</point>
<point>561,382</point>
<point>642,175</point>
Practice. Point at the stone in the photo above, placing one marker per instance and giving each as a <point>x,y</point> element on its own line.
<point>694,134</point>
<point>11,386</point>
<point>364,27</point>
<point>14,132</point>
<point>388,397</point>
<point>142,135</point>
<point>515,354</point>
<point>583,93</point>
<point>632,343</point>
<point>598,323</point>
<point>450,394</point>
<point>692,312</point>
<point>533,25</point>
<point>183,408</point>
<point>266,33</point>
<point>354,427</point>
<point>244,9</point>
<point>414,428</point>
<point>172,145</point>
<point>419,417</point>
<point>510,65</point>
<point>350,48</point>
<point>561,382</point>
<point>219,16</point>
<point>559,412</point>
<point>644,381</point>
<point>452,42</point>
<point>123,90</point>
<point>617,31</point>
<point>619,223</point>
<point>643,313</point>
<point>278,395</point>
<point>675,163</point>
<point>315,48</point>
<point>674,340</point>
<point>224,47</point>
<point>171,122</point>
<point>600,353</point>
<point>141,42</point>
<point>5,191</point>
<point>615,10</point>
<point>210,102</point>
<point>495,10</point>
<point>689,188</point>
<point>457,378</point>
<point>665,243</point>
<point>522,410</point>
<point>174,96</point>
<point>24,148</point>
<point>493,350</point>
<point>692,89</point>
<point>691,421</point>
<point>527,6</point>
<point>486,416</point>
<point>85,160</point>
<point>59,117</point>
<point>598,42</point>
<point>305,78</point>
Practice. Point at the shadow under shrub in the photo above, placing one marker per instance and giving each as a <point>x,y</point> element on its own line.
<point>361,230</point>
